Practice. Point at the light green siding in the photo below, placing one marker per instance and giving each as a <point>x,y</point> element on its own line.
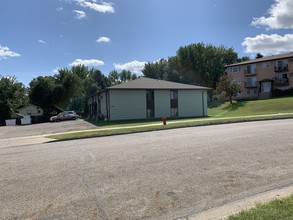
<point>127,104</point>
<point>162,103</point>
<point>190,103</point>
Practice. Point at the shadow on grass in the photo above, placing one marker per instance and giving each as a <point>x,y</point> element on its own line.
<point>214,104</point>
<point>235,105</point>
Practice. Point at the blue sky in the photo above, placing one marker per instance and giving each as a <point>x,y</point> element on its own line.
<point>38,37</point>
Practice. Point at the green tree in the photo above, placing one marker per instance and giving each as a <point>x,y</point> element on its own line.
<point>13,95</point>
<point>243,59</point>
<point>258,55</point>
<point>55,92</point>
<point>69,89</point>
<point>155,70</point>
<point>115,78</point>
<point>228,87</point>
<point>204,64</point>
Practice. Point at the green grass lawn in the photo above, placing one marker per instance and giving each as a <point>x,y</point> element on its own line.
<point>253,107</point>
<point>279,209</point>
<point>218,113</point>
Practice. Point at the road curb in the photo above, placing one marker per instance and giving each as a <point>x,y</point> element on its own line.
<point>223,212</point>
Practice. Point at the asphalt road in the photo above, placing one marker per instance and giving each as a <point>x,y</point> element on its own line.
<point>155,175</point>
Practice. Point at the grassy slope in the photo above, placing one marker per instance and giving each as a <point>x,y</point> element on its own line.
<point>253,107</point>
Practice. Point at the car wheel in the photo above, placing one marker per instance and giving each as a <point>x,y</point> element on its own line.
<point>73,118</point>
<point>58,120</point>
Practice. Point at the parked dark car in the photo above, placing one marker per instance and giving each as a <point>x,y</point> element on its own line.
<point>62,116</point>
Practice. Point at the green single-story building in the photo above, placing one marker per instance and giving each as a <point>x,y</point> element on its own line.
<point>148,98</point>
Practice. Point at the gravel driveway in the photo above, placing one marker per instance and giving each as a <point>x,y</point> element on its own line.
<point>43,128</point>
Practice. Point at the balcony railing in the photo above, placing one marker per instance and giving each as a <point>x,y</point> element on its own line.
<point>281,68</point>
<point>250,84</point>
<point>281,82</point>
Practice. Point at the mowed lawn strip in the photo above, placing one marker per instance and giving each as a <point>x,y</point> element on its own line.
<point>274,210</point>
<point>240,111</point>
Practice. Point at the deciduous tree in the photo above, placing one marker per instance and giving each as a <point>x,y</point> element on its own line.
<point>13,95</point>
<point>228,87</point>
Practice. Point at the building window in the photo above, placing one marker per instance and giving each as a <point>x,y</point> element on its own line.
<point>235,69</point>
<point>251,91</point>
<point>251,81</point>
<point>150,104</point>
<point>265,64</point>
<point>281,65</point>
<point>281,76</point>
<point>29,112</point>
<point>174,103</point>
<point>251,68</point>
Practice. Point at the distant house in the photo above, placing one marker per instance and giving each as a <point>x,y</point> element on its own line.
<point>149,98</point>
<point>261,76</point>
<point>31,110</point>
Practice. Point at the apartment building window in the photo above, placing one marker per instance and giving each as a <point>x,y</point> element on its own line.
<point>281,76</point>
<point>150,104</point>
<point>251,68</point>
<point>235,69</point>
<point>251,81</point>
<point>174,103</point>
<point>265,64</point>
<point>251,91</point>
<point>281,65</point>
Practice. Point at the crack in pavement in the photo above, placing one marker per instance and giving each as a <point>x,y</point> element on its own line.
<point>86,180</point>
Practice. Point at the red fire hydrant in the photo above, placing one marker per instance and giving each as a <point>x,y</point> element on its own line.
<point>164,119</point>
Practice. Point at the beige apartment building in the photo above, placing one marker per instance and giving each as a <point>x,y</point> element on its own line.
<point>261,76</point>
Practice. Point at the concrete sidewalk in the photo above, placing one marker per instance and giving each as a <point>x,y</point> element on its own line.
<point>223,212</point>
<point>22,141</point>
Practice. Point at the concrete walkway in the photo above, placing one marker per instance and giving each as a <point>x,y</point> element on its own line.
<point>223,212</point>
<point>22,141</point>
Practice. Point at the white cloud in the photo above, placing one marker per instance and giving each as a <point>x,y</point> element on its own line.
<point>59,9</point>
<point>56,70</point>
<point>103,39</point>
<point>91,62</point>
<point>133,66</point>
<point>280,16</point>
<point>41,41</point>
<point>268,44</point>
<point>5,52</point>
<point>79,14</point>
<point>104,7</point>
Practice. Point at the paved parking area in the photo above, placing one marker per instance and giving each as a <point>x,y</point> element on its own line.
<point>43,128</point>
